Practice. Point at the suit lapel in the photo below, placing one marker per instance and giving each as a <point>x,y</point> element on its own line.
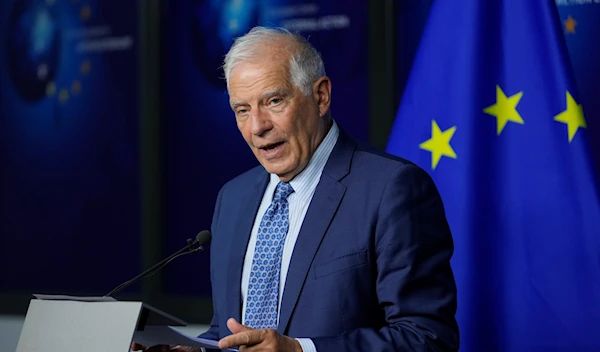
<point>322,209</point>
<point>245,220</point>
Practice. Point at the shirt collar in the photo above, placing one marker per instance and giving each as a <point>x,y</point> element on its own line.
<point>312,172</point>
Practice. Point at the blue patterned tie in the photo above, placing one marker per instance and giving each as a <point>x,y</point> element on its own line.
<point>263,289</point>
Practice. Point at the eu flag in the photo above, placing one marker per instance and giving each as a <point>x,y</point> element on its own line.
<point>491,111</point>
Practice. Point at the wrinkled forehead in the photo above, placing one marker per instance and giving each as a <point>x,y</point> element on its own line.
<point>262,67</point>
<point>252,80</point>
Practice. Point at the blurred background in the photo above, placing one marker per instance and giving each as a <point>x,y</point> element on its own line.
<point>116,134</point>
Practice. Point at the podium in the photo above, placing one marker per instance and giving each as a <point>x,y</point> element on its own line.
<point>76,324</point>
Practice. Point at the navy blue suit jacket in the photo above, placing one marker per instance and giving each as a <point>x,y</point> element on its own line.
<point>370,270</point>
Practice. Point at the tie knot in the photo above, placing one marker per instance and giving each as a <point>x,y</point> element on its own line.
<point>282,191</point>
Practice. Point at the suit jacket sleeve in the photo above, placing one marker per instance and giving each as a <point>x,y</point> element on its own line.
<point>415,284</point>
<point>213,332</point>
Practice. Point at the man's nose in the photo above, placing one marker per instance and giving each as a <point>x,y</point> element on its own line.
<point>260,122</point>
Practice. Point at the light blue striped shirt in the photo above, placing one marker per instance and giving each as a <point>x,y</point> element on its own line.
<point>304,185</point>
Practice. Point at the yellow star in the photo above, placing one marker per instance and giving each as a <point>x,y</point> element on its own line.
<point>50,89</point>
<point>63,96</point>
<point>439,144</point>
<point>76,87</point>
<point>505,109</point>
<point>85,67</point>
<point>572,116</point>
<point>570,24</point>
<point>85,13</point>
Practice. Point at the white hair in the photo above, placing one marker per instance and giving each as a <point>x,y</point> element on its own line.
<point>305,65</point>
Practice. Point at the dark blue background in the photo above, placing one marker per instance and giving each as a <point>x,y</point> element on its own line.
<point>411,18</point>
<point>69,180</point>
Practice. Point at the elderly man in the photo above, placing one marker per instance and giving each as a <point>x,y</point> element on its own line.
<point>328,245</point>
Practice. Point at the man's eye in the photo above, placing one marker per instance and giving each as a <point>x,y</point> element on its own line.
<point>275,101</point>
<point>242,111</point>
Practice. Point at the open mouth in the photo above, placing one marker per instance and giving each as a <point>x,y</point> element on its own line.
<point>271,147</point>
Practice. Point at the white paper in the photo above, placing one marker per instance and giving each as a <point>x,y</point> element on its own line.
<point>152,335</point>
<point>167,335</point>
<point>73,298</point>
<point>72,326</point>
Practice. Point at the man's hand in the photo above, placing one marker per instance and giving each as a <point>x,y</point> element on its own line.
<point>164,348</point>
<point>257,340</point>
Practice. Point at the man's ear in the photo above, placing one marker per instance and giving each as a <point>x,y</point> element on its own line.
<point>322,94</point>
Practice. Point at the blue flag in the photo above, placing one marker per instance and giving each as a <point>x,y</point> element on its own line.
<point>491,112</point>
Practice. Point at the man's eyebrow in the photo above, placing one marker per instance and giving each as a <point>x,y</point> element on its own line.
<point>274,92</point>
<point>236,103</point>
<point>265,95</point>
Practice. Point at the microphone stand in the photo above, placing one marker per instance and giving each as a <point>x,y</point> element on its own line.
<point>200,238</point>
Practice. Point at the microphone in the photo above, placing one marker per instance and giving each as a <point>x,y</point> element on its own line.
<point>192,247</point>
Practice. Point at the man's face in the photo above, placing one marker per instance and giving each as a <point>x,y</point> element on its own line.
<point>282,126</point>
